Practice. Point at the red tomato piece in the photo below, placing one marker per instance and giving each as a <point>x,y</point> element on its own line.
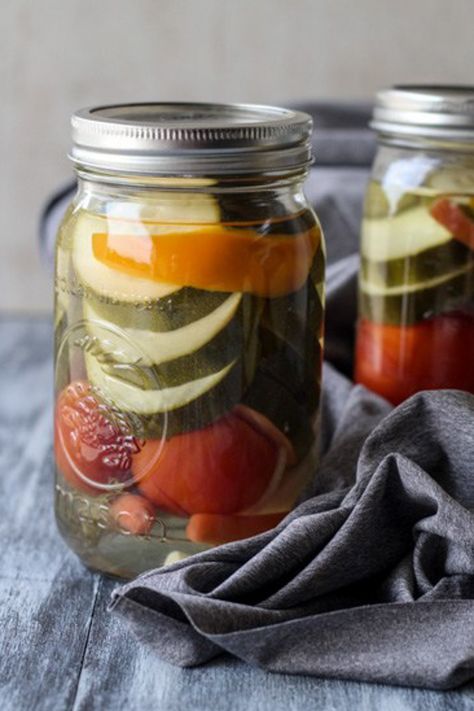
<point>221,469</point>
<point>92,449</point>
<point>457,218</point>
<point>397,361</point>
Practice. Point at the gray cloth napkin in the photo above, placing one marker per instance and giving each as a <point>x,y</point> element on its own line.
<point>371,578</point>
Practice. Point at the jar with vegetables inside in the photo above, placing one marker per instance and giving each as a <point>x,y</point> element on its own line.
<point>416,286</point>
<point>189,326</point>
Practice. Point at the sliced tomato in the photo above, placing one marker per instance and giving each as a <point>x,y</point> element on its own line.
<point>221,469</point>
<point>457,218</point>
<point>265,426</point>
<point>92,449</point>
<point>216,528</point>
<point>397,361</point>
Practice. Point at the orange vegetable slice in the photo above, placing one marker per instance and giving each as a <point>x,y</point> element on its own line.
<point>216,529</point>
<point>398,361</point>
<point>457,219</point>
<point>221,469</point>
<point>262,424</point>
<point>132,514</point>
<point>215,257</point>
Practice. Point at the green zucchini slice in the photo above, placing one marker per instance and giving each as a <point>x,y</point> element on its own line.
<point>129,397</point>
<point>405,234</point>
<point>399,306</point>
<point>168,313</point>
<point>126,362</point>
<point>406,273</point>
<point>159,347</point>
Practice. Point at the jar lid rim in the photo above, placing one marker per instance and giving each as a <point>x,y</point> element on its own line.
<point>431,111</point>
<point>163,137</point>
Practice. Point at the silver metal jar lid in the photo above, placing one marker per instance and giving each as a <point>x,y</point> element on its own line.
<point>190,138</point>
<point>438,112</point>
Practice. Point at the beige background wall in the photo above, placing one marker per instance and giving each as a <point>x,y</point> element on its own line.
<point>57,55</point>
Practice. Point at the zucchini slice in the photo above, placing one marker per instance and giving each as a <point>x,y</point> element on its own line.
<point>405,273</point>
<point>127,364</point>
<point>196,414</point>
<point>102,279</point>
<point>173,311</point>
<point>398,306</point>
<point>161,346</point>
<point>129,397</point>
<point>213,396</point>
<point>404,235</point>
<point>165,211</point>
<point>372,288</point>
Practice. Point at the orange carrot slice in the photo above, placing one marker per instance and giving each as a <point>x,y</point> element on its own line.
<point>132,514</point>
<point>215,529</point>
<point>214,257</point>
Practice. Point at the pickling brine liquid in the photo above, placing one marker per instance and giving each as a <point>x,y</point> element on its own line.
<point>416,292</point>
<point>187,379</point>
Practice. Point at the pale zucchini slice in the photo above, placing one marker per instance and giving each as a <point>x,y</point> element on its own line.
<point>450,258</point>
<point>128,397</point>
<point>180,206</point>
<point>379,289</point>
<point>158,347</point>
<point>404,308</point>
<point>165,211</point>
<point>406,234</point>
<point>104,280</point>
<point>167,314</point>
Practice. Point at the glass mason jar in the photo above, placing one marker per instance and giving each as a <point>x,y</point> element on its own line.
<point>416,287</point>
<point>189,325</point>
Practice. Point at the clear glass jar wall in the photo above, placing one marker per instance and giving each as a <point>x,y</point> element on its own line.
<point>189,325</point>
<point>416,286</point>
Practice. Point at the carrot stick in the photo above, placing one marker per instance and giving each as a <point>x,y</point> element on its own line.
<point>217,528</point>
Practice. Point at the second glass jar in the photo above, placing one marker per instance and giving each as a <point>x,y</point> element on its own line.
<point>416,287</point>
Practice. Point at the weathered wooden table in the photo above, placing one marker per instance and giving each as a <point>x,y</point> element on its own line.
<point>59,647</point>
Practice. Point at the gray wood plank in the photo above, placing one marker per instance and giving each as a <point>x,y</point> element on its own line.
<point>59,647</point>
<point>46,596</point>
<point>119,672</point>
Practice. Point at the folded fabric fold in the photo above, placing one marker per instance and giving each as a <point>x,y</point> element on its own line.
<point>370,578</point>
